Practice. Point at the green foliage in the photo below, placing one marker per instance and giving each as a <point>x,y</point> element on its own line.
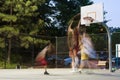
<point>41,41</point>
<point>27,40</point>
<point>115,40</point>
<point>7,65</point>
<point>27,8</point>
<point>86,2</point>
<point>11,66</point>
<point>16,58</point>
<point>19,16</point>
<point>7,18</point>
<point>95,29</point>
<point>2,43</point>
<point>9,31</point>
<point>57,15</point>
<point>1,65</point>
<point>99,41</point>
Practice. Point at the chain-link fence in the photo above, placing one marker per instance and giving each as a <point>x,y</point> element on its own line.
<point>23,50</point>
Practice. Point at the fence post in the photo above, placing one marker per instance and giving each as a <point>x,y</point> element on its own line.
<point>33,52</point>
<point>56,52</point>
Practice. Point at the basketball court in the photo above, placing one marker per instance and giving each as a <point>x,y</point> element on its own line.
<point>57,74</point>
<point>89,14</point>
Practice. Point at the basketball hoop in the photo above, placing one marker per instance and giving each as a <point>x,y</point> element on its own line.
<point>88,20</point>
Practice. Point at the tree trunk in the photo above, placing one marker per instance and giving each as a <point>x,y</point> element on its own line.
<point>9,50</point>
<point>9,40</point>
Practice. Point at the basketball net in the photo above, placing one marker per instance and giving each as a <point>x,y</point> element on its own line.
<point>88,20</point>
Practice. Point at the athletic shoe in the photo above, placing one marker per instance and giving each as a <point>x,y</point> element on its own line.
<point>46,73</point>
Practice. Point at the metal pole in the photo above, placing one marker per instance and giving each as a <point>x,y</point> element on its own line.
<point>5,56</point>
<point>56,52</point>
<point>109,46</point>
<point>33,52</point>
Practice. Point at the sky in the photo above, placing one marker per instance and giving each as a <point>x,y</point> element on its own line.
<point>112,7</point>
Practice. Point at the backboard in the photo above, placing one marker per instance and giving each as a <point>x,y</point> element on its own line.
<point>94,12</point>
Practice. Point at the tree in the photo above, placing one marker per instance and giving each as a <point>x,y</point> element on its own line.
<point>57,13</point>
<point>19,16</point>
<point>34,17</point>
<point>6,27</point>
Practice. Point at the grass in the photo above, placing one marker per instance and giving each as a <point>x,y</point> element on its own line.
<point>6,65</point>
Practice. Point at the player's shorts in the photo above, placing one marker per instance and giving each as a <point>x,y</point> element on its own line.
<point>42,62</point>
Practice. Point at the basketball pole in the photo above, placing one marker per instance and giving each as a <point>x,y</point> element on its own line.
<point>109,46</point>
<point>89,13</point>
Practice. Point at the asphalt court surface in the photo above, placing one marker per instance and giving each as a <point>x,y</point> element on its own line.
<point>58,74</point>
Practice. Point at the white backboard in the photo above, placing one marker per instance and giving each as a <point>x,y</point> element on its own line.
<point>95,11</point>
